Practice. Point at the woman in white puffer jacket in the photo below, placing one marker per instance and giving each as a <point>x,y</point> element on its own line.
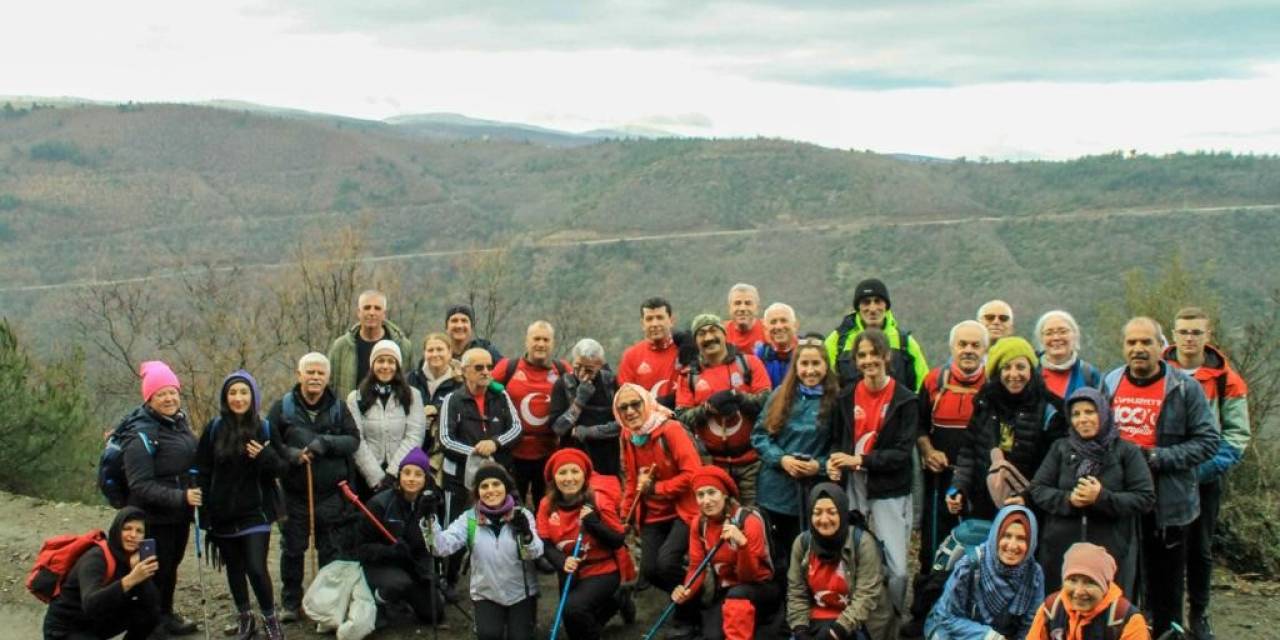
<point>389,415</point>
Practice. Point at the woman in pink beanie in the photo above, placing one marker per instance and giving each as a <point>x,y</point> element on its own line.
<point>1091,604</point>
<point>159,452</point>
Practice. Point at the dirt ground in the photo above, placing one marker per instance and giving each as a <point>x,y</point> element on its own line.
<point>1241,610</point>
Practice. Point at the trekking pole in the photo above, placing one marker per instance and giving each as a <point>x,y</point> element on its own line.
<point>702,566</point>
<point>1174,633</point>
<point>564,596</point>
<point>355,500</point>
<point>204,600</point>
<point>311,515</point>
<point>632,510</point>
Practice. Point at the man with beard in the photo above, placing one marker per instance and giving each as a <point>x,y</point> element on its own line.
<point>1163,410</point>
<point>719,397</point>
<point>781,327</point>
<point>652,362</point>
<point>529,381</point>
<point>744,330</point>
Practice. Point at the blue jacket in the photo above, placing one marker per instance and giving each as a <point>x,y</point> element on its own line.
<point>1186,435</point>
<point>775,490</point>
<point>775,363</point>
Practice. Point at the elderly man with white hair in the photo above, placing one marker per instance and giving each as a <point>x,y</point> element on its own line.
<point>997,317</point>
<point>781,331</point>
<point>744,329</point>
<point>582,408</point>
<point>318,436</point>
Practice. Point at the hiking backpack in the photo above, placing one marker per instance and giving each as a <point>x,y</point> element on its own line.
<point>1116,618</point>
<point>743,369</point>
<point>112,481</point>
<point>964,540</point>
<point>58,555</point>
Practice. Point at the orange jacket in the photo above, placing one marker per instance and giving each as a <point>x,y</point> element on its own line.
<point>1135,629</point>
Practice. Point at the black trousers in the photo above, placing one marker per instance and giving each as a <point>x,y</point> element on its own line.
<point>1164,563</point>
<point>531,485</point>
<point>496,622</point>
<point>590,604</point>
<point>246,560</point>
<point>663,546</point>
<point>294,535</point>
<point>936,522</point>
<point>171,548</point>
<point>1200,548</point>
<point>136,620</point>
<point>393,583</point>
<point>785,527</point>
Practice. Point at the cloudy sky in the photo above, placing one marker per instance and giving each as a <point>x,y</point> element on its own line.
<point>998,78</point>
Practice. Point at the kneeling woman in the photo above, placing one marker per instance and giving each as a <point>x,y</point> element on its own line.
<point>109,592</point>
<point>996,591</point>
<point>402,571</point>
<point>737,586</point>
<point>835,586</point>
<point>1091,604</point>
<point>504,544</point>
<point>571,509</point>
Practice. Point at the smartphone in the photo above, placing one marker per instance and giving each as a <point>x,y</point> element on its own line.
<point>803,457</point>
<point>147,549</point>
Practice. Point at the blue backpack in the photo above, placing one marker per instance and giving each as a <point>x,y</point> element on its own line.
<point>111,477</point>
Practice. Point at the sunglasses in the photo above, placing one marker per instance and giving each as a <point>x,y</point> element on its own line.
<point>479,368</point>
<point>634,405</point>
<point>1189,332</point>
<point>992,317</point>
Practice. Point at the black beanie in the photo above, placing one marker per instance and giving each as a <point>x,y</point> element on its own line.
<point>494,470</point>
<point>464,309</point>
<point>871,287</point>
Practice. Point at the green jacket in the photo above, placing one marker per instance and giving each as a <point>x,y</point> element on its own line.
<point>911,368</point>
<point>342,356</point>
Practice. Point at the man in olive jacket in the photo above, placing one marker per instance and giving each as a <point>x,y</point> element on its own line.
<point>349,353</point>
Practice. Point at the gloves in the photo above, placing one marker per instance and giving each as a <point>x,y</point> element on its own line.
<point>686,348</point>
<point>520,522</point>
<point>724,402</point>
<point>318,446</point>
<point>801,633</point>
<point>585,391</point>
<point>837,632</point>
<point>397,552</point>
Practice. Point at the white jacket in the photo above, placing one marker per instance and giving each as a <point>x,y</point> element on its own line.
<point>387,434</point>
<point>497,572</point>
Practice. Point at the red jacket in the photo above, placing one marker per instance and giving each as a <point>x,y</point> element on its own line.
<point>561,526</point>
<point>732,565</point>
<point>676,458</point>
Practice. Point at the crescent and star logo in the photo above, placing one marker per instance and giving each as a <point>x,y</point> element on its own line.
<point>658,388</point>
<point>719,428</point>
<point>526,414</point>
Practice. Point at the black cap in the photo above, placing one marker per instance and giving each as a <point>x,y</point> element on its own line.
<point>464,309</point>
<point>868,288</point>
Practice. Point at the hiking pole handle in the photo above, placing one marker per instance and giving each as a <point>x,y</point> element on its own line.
<point>702,566</point>
<point>568,579</point>
<point>355,500</point>
<point>1174,633</point>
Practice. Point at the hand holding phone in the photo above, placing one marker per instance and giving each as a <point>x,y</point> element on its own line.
<point>147,549</point>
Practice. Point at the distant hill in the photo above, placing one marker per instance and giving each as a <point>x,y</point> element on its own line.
<point>95,191</point>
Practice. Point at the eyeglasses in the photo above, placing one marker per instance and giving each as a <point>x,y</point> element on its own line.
<point>992,317</point>
<point>1189,332</point>
<point>1056,333</point>
<point>481,368</point>
<point>634,405</point>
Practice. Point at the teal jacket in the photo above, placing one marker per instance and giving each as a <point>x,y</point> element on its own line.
<point>775,490</point>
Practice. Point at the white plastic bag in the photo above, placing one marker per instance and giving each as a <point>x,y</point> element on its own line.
<point>340,599</point>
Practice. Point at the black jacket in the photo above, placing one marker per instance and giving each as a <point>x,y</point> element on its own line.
<point>238,492</point>
<point>401,518</point>
<point>333,441</point>
<point>1127,492</point>
<point>601,433</point>
<point>92,601</point>
<point>1032,437</point>
<point>888,464</point>
<point>462,427</point>
<point>158,479</point>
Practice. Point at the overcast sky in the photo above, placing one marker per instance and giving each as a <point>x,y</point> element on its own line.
<point>1000,78</point>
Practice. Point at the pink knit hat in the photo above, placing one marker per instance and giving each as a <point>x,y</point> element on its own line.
<point>1091,561</point>
<point>156,375</point>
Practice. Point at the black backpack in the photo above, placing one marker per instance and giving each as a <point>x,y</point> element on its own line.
<point>112,481</point>
<point>901,362</point>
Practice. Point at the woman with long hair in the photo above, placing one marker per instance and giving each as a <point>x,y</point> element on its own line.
<point>794,437</point>
<point>389,415</point>
<point>238,466</point>
<point>572,508</point>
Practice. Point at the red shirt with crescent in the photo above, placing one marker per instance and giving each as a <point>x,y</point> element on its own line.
<point>829,583</point>
<point>652,367</point>
<point>530,391</point>
<point>869,408</point>
<point>725,436</point>
<point>561,526</point>
<point>746,341</point>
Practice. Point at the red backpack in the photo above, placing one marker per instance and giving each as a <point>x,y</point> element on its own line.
<point>56,558</point>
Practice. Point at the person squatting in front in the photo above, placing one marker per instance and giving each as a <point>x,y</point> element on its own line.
<point>994,593</point>
<point>835,584</point>
<point>403,570</point>
<point>573,508</point>
<point>736,590</point>
<point>109,593</point>
<point>1091,604</point>
<point>504,543</point>
<point>238,460</point>
<point>659,461</point>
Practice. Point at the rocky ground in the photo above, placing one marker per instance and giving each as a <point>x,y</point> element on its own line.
<point>1242,609</point>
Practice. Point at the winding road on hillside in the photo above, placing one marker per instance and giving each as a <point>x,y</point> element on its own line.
<point>827,227</point>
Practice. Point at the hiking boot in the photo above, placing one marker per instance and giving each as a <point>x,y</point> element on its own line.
<point>230,629</point>
<point>271,628</point>
<point>246,626</point>
<point>450,593</point>
<point>176,625</point>
<point>290,614</point>
<point>1200,628</point>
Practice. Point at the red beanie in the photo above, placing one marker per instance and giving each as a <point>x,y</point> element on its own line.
<point>563,457</point>
<point>713,476</point>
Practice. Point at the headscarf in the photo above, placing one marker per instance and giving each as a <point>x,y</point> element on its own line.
<point>654,413</point>
<point>1093,451</point>
<point>1004,589</point>
<point>115,537</point>
<point>829,547</point>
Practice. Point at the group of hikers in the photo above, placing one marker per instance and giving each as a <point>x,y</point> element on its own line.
<point>768,480</point>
